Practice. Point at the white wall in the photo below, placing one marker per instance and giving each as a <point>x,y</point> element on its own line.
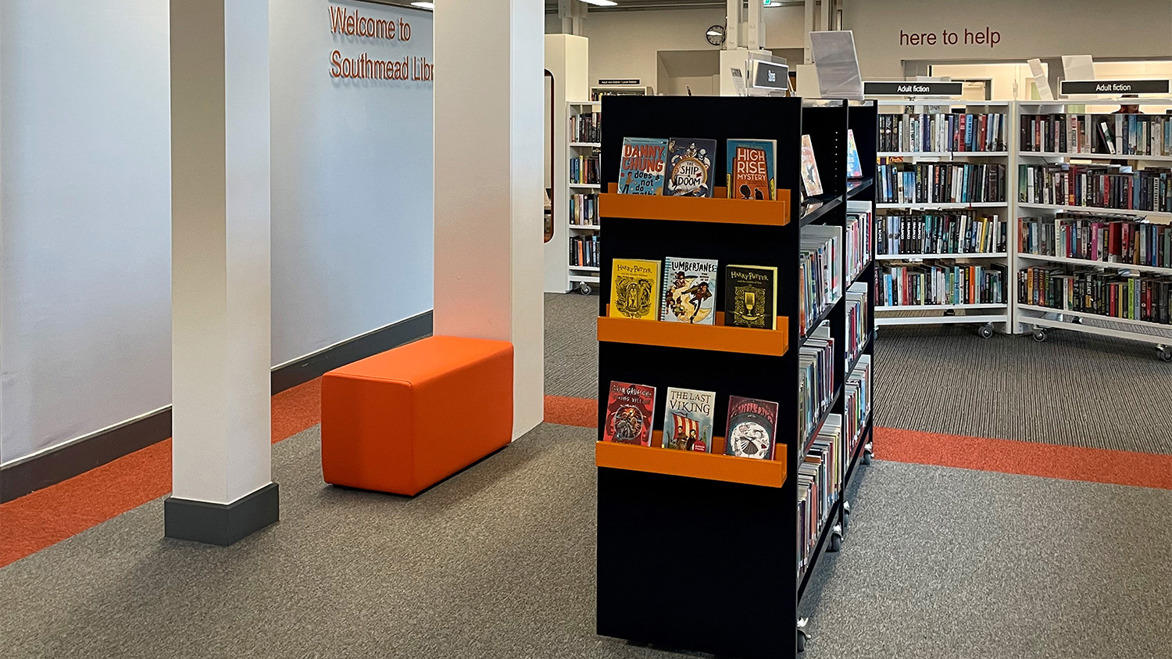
<point>352,177</point>
<point>1038,28</point>
<point>85,202</point>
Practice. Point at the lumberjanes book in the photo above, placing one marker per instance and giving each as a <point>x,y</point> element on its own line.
<point>689,291</point>
<point>750,296</point>
<point>854,168</point>
<point>634,289</point>
<point>629,411</point>
<point>687,421</point>
<point>751,424</point>
<point>750,171</point>
<point>642,166</point>
<point>811,182</point>
<point>689,167</point>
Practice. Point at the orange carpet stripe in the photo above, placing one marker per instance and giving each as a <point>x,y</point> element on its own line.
<point>46,517</point>
<point>1027,458</point>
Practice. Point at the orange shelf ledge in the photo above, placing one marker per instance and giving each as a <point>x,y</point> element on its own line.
<point>716,209</point>
<point>707,466</point>
<point>716,337</point>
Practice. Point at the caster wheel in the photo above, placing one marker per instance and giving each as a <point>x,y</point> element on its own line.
<point>985,331</point>
<point>1039,335</point>
<point>950,312</point>
<point>584,288</point>
<point>1077,320</point>
<point>836,539</point>
<point>801,641</point>
<point>866,457</point>
<point>1164,353</point>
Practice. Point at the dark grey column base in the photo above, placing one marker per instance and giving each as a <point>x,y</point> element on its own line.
<point>219,523</point>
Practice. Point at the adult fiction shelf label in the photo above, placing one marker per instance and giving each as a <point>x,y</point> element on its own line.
<point>1114,87</point>
<point>353,26</point>
<point>889,88</point>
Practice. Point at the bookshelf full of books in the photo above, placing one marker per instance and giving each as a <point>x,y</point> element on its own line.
<point>943,215</point>
<point>581,193</point>
<point>1094,202</point>
<point>735,340</point>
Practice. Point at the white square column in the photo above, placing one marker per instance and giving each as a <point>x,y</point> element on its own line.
<point>220,279</point>
<point>489,233</point>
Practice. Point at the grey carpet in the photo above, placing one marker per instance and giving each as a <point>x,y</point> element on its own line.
<point>1074,389</point>
<point>499,562</point>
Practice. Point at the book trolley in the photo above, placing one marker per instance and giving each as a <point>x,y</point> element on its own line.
<point>924,131</point>
<point>700,551</point>
<point>1054,137</point>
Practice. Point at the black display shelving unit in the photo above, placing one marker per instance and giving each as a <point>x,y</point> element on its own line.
<point>695,552</point>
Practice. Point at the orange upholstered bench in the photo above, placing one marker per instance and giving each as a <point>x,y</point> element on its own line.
<point>404,420</point>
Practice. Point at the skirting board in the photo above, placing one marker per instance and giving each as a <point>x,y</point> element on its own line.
<point>26,476</point>
<point>221,524</point>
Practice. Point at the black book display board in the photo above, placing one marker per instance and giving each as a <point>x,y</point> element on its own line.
<point>699,551</point>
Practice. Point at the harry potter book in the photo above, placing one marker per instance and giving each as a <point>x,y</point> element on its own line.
<point>689,291</point>
<point>750,169</point>
<point>750,296</point>
<point>642,166</point>
<point>634,289</point>
<point>629,411</point>
<point>751,424</point>
<point>811,182</point>
<point>689,167</point>
<point>687,423</point>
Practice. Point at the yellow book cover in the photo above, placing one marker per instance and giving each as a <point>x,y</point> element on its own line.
<point>634,289</point>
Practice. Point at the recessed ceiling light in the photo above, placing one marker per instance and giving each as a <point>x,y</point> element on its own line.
<point>423,5</point>
<point>601,3</point>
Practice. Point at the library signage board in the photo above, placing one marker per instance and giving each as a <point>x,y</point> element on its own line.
<point>1114,87</point>
<point>618,81</point>
<point>895,88</point>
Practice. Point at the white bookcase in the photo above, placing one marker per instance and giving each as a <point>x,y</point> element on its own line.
<point>1038,319</point>
<point>986,316</point>
<point>574,223</point>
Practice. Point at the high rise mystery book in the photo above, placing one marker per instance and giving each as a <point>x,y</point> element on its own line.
<point>687,422</point>
<point>811,182</point>
<point>689,291</point>
<point>751,167</point>
<point>751,427</point>
<point>629,411</point>
<point>750,296</point>
<point>642,166</point>
<point>690,170</point>
<point>634,289</point>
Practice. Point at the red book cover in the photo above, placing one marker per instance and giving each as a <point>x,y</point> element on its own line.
<point>629,410</point>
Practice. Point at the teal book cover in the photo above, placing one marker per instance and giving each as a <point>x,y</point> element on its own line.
<point>751,169</point>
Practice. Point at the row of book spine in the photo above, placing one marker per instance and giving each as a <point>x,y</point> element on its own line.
<point>584,251</point>
<point>584,210</point>
<point>940,233</point>
<point>1110,240</point>
<point>1097,186</point>
<point>586,127</point>
<point>819,272</point>
<point>820,476</point>
<point>1131,297</point>
<point>857,405</point>
<point>940,183</point>
<point>942,132</point>
<point>857,320</point>
<point>816,380</point>
<point>858,243</point>
<point>585,170</point>
<point>1117,134</point>
<point>940,284</point>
